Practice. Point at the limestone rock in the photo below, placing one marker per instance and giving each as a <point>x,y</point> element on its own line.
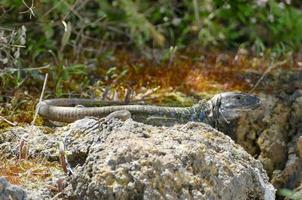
<point>273,134</point>
<point>113,159</point>
<point>130,160</point>
<point>263,133</point>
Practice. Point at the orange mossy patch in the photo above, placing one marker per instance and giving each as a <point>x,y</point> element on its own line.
<point>26,171</point>
<point>189,71</point>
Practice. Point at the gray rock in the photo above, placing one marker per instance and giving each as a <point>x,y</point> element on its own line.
<point>113,159</point>
<point>130,160</point>
<point>11,192</point>
<point>271,134</point>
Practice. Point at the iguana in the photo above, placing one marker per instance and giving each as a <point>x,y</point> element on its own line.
<point>223,107</point>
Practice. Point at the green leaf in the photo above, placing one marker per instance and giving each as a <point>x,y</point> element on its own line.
<point>66,35</point>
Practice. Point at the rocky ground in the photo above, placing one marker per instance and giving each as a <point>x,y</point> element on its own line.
<point>273,133</point>
<point>115,159</point>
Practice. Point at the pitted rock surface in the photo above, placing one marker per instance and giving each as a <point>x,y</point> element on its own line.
<point>123,160</point>
<point>264,133</point>
<point>272,136</point>
<point>130,160</point>
<point>290,176</point>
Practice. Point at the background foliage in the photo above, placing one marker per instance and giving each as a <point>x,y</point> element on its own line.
<point>61,34</point>
<point>161,23</point>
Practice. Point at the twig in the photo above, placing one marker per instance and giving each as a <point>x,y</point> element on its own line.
<point>147,93</point>
<point>128,93</point>
<point>17,45</point>
<point>56,196</point>
<point>36,68</point>
<point>30,9</point>
<point>7,121</point>
<point>23,150</point>
<point>270,68</point>
<point>63,160</point>
<point>25,69</point>
<point>116,95</point>
<point>41,97</point>
<point>172,55</point>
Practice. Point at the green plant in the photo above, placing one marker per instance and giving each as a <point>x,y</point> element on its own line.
<point>289,194</point>
<point>97,24</point>
<point>272,24</point>
<point>62,70</point>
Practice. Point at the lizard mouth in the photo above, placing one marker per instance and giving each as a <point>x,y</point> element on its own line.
<point>231,112</point>
<point>249,103</point>
<point>249,107</point>
<point>256,104</point>
<point>246,109</point>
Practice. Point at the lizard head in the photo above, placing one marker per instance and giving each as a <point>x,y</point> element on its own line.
<point>229,105</point>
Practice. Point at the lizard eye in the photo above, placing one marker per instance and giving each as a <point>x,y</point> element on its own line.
<point>238,97</point>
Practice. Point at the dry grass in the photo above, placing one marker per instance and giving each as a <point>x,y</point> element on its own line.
<point>32,172</point>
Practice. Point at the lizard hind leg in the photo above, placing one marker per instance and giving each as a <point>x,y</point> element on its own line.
<point>120,114</point>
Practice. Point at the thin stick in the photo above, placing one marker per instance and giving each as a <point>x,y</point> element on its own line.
<point>147,93</point>
<point>7,121</point>
<point>128,93</point>
<point>36,68</point>
<point>41,97</point>
<point>172,55</point>
<point>63,160</point>
<point>25,69</point>
<point>23,150</point>
<point>270,68</point>
<point>30,9</point>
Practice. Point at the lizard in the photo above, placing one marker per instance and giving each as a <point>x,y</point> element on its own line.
<point>222,107</point>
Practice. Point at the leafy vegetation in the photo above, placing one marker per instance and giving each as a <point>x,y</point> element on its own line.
<point>289,194</point>
<point>79,43</point>
<point>64,37</point>
<point>162,23</point>
<point>83,43</point>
